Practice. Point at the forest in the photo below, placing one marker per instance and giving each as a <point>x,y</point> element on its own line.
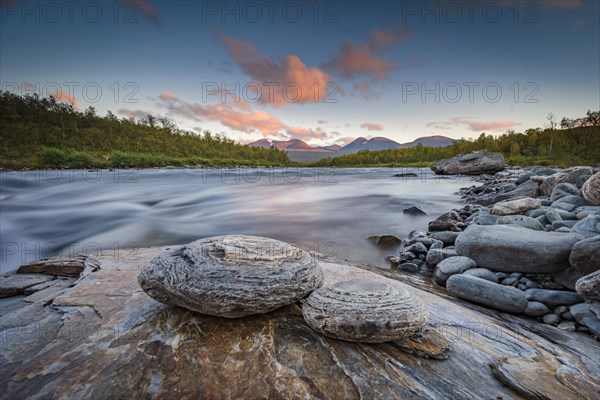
<point>573,142</point>
<point>45,133</point>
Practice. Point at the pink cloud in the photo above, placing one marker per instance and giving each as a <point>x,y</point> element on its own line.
<point>366,59</point>
<point>474,125</point>
<point>64,96</point>
<point>321,122</point>
<point>283,81</point>
<point>345,140</point>
<point>371,126</point>
<point>145,6</point>
<point>167,96</point>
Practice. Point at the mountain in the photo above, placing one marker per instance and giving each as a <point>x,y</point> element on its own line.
<point>301,151</point>
<point>430,141</point>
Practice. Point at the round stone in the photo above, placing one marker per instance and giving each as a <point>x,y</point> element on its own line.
<point>367,311</point>
<point>231,276</point>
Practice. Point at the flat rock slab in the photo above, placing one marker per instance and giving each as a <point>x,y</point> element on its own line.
<point>12,285</point>
<point>512,248</point>
<point>72,266</point>
<point>105,338</point>
<point>231,276</point>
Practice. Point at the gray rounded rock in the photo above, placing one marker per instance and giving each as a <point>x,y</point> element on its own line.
<point>591,189</point>
<point>536,309</point>
<point>511,248</point>
<point>564,189</point>
<point>588,227</point>
<point>231,276</point>
<point>367,311</point>
<point>510,207</point>
<point>584,259</point>
<point>477,290</point>
<point>553,298</point>
<point>451,266</point>
<point>483,274</point>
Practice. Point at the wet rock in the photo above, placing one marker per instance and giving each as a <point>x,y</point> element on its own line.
<point>521,220</point>
<point>483,274</point>
<point>366,311</point>
<point>481,291</point>
<point>486,219</point>
<point>426,343</point>
<point>385,240</point>
<point>13,284</point>
<point>231,276</point>
<point>536,309</point>
<point>417,247</point>
<point>416,234</point>
<point>474,163</point>
<point>553,298</point>
<point>589,286</point>
<point>408,267</point>
<point>591,189</point>
<point>61,266</point>
<point>414,210</point>
<point>515,206</point>
<point>588,227</point>
<point>435,256</point>
<point>512,248</point>
<point>451,266</point>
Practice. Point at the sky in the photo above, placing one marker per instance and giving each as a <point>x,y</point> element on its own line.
<point>321,71</point>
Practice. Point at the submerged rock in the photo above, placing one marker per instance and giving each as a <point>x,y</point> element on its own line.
<point>231,276</point>
<point>364,311</point>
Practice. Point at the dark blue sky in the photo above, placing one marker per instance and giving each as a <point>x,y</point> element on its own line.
<point>337,70</point>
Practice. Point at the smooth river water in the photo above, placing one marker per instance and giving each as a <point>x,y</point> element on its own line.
<point>49,213</point>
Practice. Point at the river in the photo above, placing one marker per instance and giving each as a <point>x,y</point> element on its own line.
<point>62,212</point>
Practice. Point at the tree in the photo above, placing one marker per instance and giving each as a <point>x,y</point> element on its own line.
<point>552,125</point>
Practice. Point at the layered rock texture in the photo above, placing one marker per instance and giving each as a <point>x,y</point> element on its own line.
<point>231,276</point>
<point>474,163</point>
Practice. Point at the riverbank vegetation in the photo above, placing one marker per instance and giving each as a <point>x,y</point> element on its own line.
<point>576,142</point>
<point>44,133</point>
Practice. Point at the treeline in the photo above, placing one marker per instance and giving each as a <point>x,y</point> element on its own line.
<point>578,144</point>
<point>44,133</point>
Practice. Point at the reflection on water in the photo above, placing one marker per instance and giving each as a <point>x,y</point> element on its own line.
<point>44,213</point>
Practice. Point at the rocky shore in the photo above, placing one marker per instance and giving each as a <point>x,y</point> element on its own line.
<point>526,243</point>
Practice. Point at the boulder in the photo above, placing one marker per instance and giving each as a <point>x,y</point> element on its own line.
<point>512,248</point>
<point>564,189</point>
<point>435,256</point>
<point>589,286</point>
<point>447,237</point>
<point>481,291</point>
<point>451,266</point>
<point>591,189</point>
<point>474,163</point>
<point>553,298</point>
<point>365,311</point>
<point>510,207</point>
<point>521,220</point>
<point>570,175</point>
<point>588,227</point>
<point>584,259</point>
<point>231,276</point>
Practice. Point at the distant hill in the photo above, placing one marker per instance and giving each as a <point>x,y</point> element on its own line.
<point>301,151</point>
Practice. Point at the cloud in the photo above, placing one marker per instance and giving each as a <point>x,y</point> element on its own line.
<point>145,6</point>
<point>365,91</point>
<point>166,96</point>
<point>371,126</point>
<point>282,81</point>
<point>60,95</point>
<point>135,114</point>
<point>238,117</point>
<point>474,125</point>
<point>365,58</point>
<point>345,140</point>
<point>321,122</point>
